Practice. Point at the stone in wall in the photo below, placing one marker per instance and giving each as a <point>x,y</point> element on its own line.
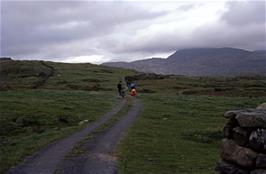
<point>257,140</point>
<point>261,161</point>
<point>258,171</point>
<point>241,136</point>
<point>255,119</point>
<point>226,168</point>
<point>228,128</point>
<point>244,147</point>
<point>231,114</point>
<point>239,155</point>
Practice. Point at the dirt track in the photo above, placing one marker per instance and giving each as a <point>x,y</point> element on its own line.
<point>97,156</point>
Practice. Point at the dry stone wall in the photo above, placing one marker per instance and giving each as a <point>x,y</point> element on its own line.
<point>243,148</point>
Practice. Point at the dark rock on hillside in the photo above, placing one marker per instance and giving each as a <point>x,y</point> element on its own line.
<point>203,62</point>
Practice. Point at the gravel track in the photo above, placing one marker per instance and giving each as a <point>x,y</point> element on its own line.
<point>97,154</point>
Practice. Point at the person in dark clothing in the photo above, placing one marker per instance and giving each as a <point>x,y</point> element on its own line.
<point>132,86</point>
<point>128,84</point>
<point>120,89</point>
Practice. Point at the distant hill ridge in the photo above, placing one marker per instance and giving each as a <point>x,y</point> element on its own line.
<point>203,62</point>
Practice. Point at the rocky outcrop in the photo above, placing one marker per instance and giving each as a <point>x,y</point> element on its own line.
<point>243,148</point>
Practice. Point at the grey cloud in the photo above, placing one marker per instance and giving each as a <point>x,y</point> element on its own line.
<point>213,35</point>
<point>43,23</point>
<point>252,37</point>
<point>245,13</point>
<point>186,7</point>
<point>241,26</point>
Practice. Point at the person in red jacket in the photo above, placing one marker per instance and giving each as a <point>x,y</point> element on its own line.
<point>133,92</point>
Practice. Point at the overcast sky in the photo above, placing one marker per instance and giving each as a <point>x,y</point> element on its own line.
<point>100,31</point>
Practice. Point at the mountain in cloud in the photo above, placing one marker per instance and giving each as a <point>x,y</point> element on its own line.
<point>203,62</point>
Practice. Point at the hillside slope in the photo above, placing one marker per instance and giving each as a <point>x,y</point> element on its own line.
<point>16,74</point>
<point>203,62</point>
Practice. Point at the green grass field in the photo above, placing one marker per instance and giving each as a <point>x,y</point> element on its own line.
<point>177,134</point>
<point>178,131</point>
<point>32,119</point>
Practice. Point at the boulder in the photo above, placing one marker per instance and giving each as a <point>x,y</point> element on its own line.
<point>257,118</point>
<point>262,106</point>
<point>259,171</point>
<point>261,161</point>
<point>257,140</point>
<point>240,155</point>
<point>226,168</point>
<point>241,136</point>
